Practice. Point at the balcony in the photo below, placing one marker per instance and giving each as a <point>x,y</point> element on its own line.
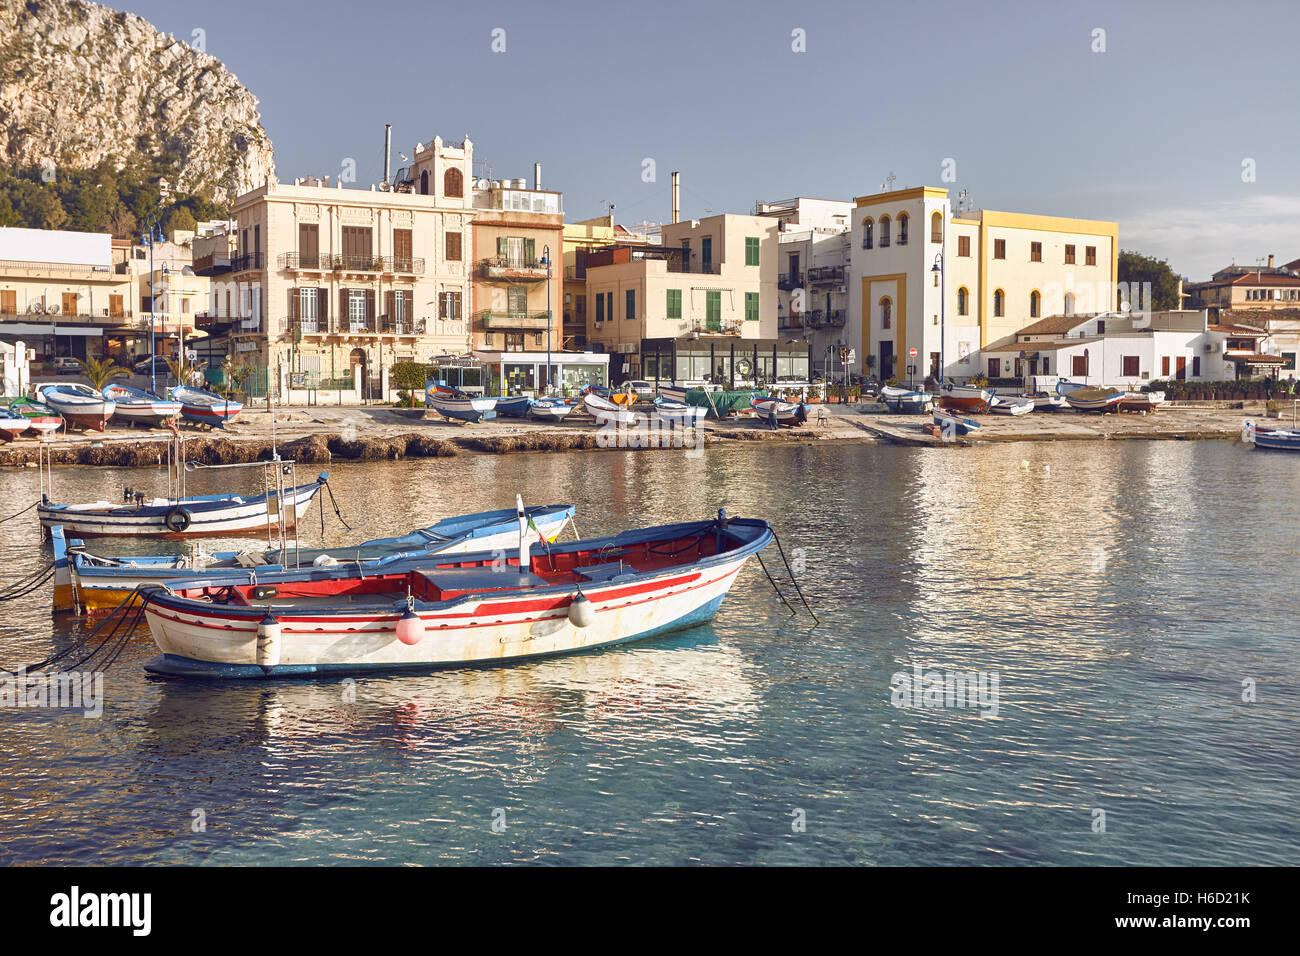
<point>824,319</point>
<point>353,263</point>
<point>376,325</point>
<point>306,262</point>
<point>514,321</point>
<point>211,265</point>
<point>709,268</point>
<point>247,262</point>
<point>884,242</point>
<point>824,274</point>
<point>789,280</point>
<point>792,321</point>
<point>512,269</point>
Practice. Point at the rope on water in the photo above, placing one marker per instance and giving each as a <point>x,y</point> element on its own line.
<point>335,504</point>
<point>775,586</point>
<point>23,512</point>
<point>28,584</point>
<point>124,619</point>
<point>798,590</point>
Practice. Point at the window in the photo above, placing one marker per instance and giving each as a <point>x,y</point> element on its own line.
<point>751,250</point>
<point>902,228</point>
<point>600,307</point>
<point>308,245</point>
<point>116,308</point>
<point>999,303</point>
<point>453,183</point>
<point>1132,366</point>
<point>1069,303</point>
<point>1090,255</point>
<point>1035,252</point>
<point>1035,303</point>
<point>358,249</point>
<point>963,245</point>
<point>999,248</point>
<point>886,312</point>
<point>751,306</point>
<point>995,367</point>
<point>70,303</point>
<point>962,303</point>
<point>884,231</point>
<point>629,304</point>
<point>1069,255</point>
<point>1080,366</point>
<point>713,310</point>
<point>936,231</point>
<point>1196,366</point>
<point>867,231</point>
<point>453,247</point>
<point>449,305</point>
<point>402,250</point>
<point>674,304</point>
<point>1164,366</point>
<point>1101,326</point>
<point>706,253</point>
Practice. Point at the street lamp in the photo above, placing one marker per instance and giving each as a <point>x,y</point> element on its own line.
<point>546,259</point>
<point>943,311</point>
<point>153,235</point>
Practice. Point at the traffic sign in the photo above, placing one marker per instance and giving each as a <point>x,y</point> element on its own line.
<point>911,353</point>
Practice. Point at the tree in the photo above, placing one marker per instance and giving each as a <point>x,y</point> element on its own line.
<point>179,218</point>
<point>101,371</point>
<point>1137,268</point>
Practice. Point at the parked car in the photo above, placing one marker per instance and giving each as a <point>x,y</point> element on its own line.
<point>66,365</point>
<point>642,388</point>
<point>142,367</point>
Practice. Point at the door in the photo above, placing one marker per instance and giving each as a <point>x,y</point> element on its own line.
<point>886,361</point>
<point>713,311</point>
<point>69,306</point>
<point>517,301</point>
<point>402,250</point>
<point>1181,373</point>
<point>9,301</point>
<point>356,310</point>
<point>1080,369</point>
<point>308,246</point>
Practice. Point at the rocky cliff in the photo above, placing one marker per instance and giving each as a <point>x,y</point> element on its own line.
<point>80,83</point>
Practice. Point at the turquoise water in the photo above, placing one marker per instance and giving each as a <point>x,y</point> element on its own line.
<point>1120,592</point>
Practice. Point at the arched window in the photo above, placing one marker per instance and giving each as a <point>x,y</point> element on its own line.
<point>999,303</point>
<point>424,182</point>
<point>453,183</point>
<point>884,231</point>
<point>1035,304</point>
<point>902,228</point>
<point>1069,303</point>
<point>962,302</point>
<point>867,233</point>
<point>936,227</point>
<point>886,311</point>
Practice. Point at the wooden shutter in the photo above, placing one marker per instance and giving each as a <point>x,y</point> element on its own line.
<point>322,310</point>
<point>293,305</point>
<point>308,245</point>
<point>9,301</point>
<point>390,303</point>
<point>530,251</point>
<point>370,307</point>
<point>453,247</point>
<point>115,309</point>
<point>69,303</point>
<point>343,308</point>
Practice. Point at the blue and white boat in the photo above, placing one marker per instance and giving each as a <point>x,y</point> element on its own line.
<point>516,406</point>
<point>678,414</point>
<point>463,610</point>
<point>178,517</point>
<point>904,401</point>
<point>94,582</point>
<point>461,406</point>
<point>79,404</point>
<point>953,424</point>
<point>548,409</point>
<point>1274,439</point>
<point>138,407</point>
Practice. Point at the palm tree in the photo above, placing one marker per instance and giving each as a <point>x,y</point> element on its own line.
<point>179,369</point>
<point>102,371</point>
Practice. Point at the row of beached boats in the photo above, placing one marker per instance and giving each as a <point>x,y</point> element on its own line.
<point>73,404</point>
<point>972,400</point>
<point>670,407</point>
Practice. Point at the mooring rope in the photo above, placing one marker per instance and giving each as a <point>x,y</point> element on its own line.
<point>28,584</point>
<point>23,512</point>
<point>111,643</point>
<point>798,590</point>
<point>335,504</point>
<point>775,586</point>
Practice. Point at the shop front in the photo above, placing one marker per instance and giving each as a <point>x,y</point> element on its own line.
<point>521,373</point>
<point>726,360</point>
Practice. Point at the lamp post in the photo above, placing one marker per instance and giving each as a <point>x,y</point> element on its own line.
<point>943,311</point>
<point>150,237</point>
<point>546,258</point>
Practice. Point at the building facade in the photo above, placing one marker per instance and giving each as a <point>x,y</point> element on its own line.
<point>931,290</point>
<point>1244,287</point>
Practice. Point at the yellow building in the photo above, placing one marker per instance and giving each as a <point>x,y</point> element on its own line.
<point>949,284</point>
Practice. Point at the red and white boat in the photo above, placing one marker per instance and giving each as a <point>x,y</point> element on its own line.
<point>965,398</point>
<point>1090,399</point>
<point>454,610</point>
<point>78,404</point>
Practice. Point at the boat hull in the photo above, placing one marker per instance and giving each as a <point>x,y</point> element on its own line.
<point>195,647</point>
<point>1274,439</point>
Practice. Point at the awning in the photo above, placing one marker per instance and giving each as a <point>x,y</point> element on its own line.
<point>1256,358</point>
<point>28,328</point>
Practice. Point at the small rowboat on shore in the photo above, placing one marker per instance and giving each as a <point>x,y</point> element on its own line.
<point>138,407</point>
<point>606,412</point>
<point>179,517</point>
<point>1141,401</point>
<point>12,424</point>
<point>953,424</point>
<point>460,406</point>
<point>776,412</point>
<point>94,582</point>
<point>515,406</point>
<point>202,407</point>
<point>44,420</point>
<point>1090,399</point>
<point>678,414</point>
<point>904,401</point>
<point>456,611</point>
<point>548,409</point>
<point>79,404</point>
<point>965,398</point>
<point>1011,405</point>
<point>1274,439</point>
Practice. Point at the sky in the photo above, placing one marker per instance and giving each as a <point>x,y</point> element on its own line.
<point>1177,121</point>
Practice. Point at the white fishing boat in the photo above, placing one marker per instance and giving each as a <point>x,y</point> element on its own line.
<point>473,609</point>
<point>1141,401</point>
<point>138,407</point>
<point>965,398</point>
<point>97,582</point>
<point>12,424</point>
<point>548,409</point>
<point>678,414</point>
<point>202,407</point>
<point>79,404</point>
<point>1011,405</point>
<point>776,412</point>
<point>606,412</point>
<point>460,405</point>
<point>906,401</point>
<point>181,516</point>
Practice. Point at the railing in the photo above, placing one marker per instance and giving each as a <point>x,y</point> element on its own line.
<point>53,318</point>
<point>211,265</point>
<point>826,274</point>
<point>515,320</point>
<point>378,325</point>
<point>902,238</point>
<point>359,264</point>
<point>498,267</point>
<point>243,263</point>
<point>884,241</point>
<point>789,280</point>
<point>697,268</point>
<point>300,260</point>
<point>792,321</point>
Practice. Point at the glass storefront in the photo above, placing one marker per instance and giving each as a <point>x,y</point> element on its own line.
<point>710,360</point>
<point>509,373</point>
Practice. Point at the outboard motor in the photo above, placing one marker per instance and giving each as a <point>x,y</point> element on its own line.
<point>127,494</point>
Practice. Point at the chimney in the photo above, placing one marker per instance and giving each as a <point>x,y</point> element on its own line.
<point>1270,261</point>
<point>677,197</point>
<point>537,175</point>
<point>388,151</point>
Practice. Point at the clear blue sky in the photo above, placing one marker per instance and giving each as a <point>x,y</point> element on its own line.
<point>1152,132</point>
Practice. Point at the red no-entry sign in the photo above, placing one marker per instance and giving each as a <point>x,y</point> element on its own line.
<point>911,353</point>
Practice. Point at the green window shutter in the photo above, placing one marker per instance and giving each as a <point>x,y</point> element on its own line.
<point>751,250</point>
<point>530,247</point>
<point>713,311</point>
<point>630,309</point>
<point>502,245</point>
<point>674,304</point>
<point>751,306</point>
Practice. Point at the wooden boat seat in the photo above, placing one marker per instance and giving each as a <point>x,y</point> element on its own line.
<point>444,583</point>
<point>604,572</point>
